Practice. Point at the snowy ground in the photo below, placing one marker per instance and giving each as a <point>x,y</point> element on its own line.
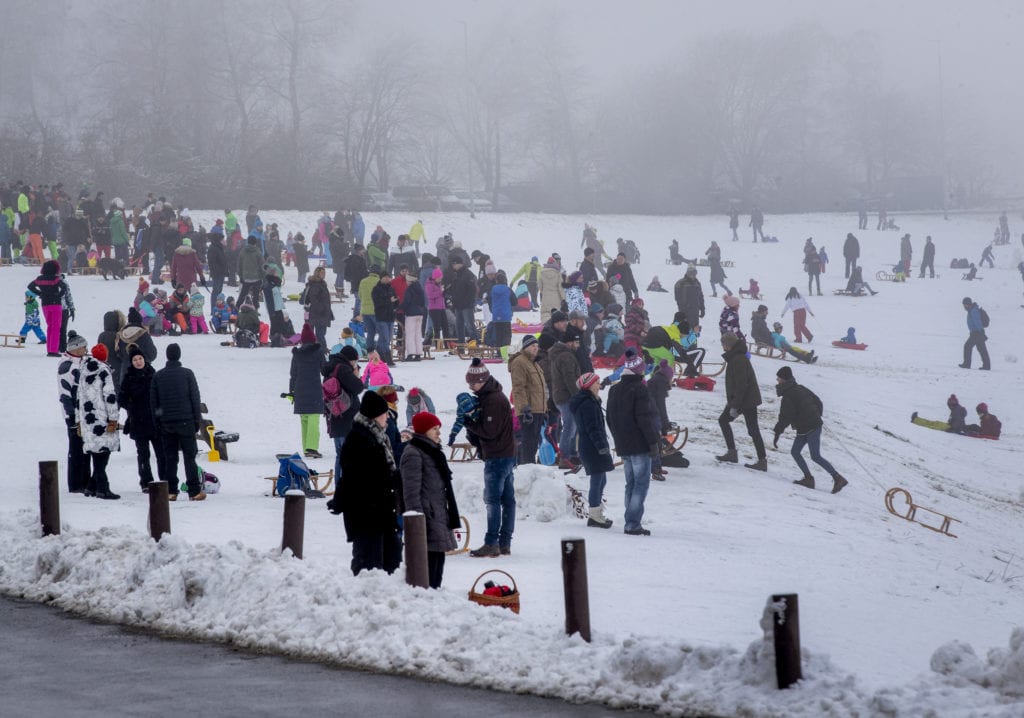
<point>895,619</point>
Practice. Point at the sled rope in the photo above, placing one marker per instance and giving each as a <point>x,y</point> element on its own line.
<point>857,461</point>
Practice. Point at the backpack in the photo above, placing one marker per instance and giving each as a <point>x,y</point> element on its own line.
<point>336,400</point>
<point>294,474</point>
<point>245,339</point>
<point>984,317</point>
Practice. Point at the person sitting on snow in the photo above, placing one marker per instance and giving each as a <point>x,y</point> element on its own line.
<point>972,274</point>
<point>851,336</point>
<point>988,426</point>
<point>780,342</point>
<point>954,425</point>
<point>655,285</point>
<point>857,285</point>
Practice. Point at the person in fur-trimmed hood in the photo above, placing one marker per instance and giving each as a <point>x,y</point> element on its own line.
<point>185,265</point>
<point>96,415</point>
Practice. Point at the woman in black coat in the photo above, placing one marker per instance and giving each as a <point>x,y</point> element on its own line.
<point>317,300</point>
<point>344,366</point>
<point>305,389</point>
<point>427,488</point>
<point>134,397</point>
<point>367,494</point>
<point>595,452</point>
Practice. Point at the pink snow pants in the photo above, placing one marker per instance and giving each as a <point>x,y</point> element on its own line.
<point>52,315</point>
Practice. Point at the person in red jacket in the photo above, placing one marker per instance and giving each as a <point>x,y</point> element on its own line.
<point>988,426</point>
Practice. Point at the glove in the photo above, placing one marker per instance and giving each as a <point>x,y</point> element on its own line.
<point>775,443</point>
<point>333,507</point>
<point>526,419</point>
<point>72,314</point>
<point>451,440</point>
<point>112,426</point>
<point>734,412</point>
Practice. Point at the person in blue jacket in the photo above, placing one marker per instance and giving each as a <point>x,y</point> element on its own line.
<point>976,338</point>
<point>502,300</point>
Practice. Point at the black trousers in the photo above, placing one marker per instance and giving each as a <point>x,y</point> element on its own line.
<point>851,264</point>
<point>530,439</point>
<point>750,416</point>
<point>976,339</point>
<point>377,551</point>
<point>142,451</point>
<point>930,266</point>
<point>435,568</point>
<point>78,467</point>
<point>64,316</point>
<point>98,481</point>
<point>179,436</point>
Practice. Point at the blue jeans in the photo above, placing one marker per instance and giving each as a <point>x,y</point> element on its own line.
<point>384,339</point>
<point>500,500</point>
<point>638,481</point>
<point>596,493</point>
<point>370,322</point>
<point>465,324</point>
<point>813,440</point>
<point>567,442</point>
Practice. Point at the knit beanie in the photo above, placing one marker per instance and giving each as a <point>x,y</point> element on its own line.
<point>529,341</point>
<point>99,352</point>
<point>635,364</point>
<point>668,371</point>
<point>173,352</point>
<point>349,353</point>
<point>785,373</point>
<point>424,422</point>
<point>952,400</point>
<point>982,408</point>
<point>308,336</point>
<point>372,405</point>
<point>134,318</point>
<point>731,300</point>
<point>389,394</point>
<point>135,352</point>
<point>76,343</point>
<point>477,372</point>
<point>587,380</point>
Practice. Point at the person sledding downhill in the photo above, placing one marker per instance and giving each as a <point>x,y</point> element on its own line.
<point>956,424</point>
<point>988,426</point>
<point>675,342</point>
<point>801,408</point>
<point>780,343</point>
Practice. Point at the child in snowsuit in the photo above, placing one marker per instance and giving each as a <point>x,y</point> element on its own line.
<point>956,424</point>
<point>614,332</point>
<point>785,346</point>
<point>376,372</point>
<point>467,407</point>
<point>417,401</point>
<point>350,339</point>
<point>196,305</point>
<point>823,259</point>
<point>851,336</point>
<point>753,291</point>
<point>655,286</point>
<point>221,315</point>
<point>31,319</point>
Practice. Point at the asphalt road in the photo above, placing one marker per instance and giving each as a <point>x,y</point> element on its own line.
<point>53,664</point>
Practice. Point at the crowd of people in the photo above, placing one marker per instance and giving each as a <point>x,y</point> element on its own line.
<point>410,296</point>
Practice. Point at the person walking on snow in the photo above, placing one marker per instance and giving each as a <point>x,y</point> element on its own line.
<point>851,253</point>
<point>976,338</point>
<point>800,308</point>
<point>928,258</point>
<point>742,398</point>
<point>801,408</point>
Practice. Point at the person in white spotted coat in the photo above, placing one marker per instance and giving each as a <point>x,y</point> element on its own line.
<point>97,414</point>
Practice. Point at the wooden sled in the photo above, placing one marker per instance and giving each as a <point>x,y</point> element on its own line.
<point>884,276</point>
<point>462,452</point>
<point>764,350</point>
<point>845,293</point>
<point>912,509</point>
<point>13,341</point>
<point>844,345</point>
<point>674,439</point>
<point>221,439</point>
<point>713,368</point>
<point>461,538</point>
<point>320,481</point>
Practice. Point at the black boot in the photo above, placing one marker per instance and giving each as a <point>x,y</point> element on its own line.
<point>807,481</point>
<point>759,465</point>
<point>729,456</point>
<point>838,482</point>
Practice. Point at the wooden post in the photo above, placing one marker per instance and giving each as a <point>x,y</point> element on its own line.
<point>786,628</point>
<point>294,521</point>
<point>49,498</point>
<point>414,525</point>
<point>159,510</point>
<point>574,581</point>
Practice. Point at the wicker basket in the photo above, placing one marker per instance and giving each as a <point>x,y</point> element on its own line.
<point>511,601</point>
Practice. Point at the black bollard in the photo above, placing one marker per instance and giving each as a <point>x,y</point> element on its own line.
<point>294,521</point>
<point>414,525</point>
<point>159,510</point>
<point>574,580</point>
<point>49,498</point>
<point>786,628</point>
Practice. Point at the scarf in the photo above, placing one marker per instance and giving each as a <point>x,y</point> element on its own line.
<point>381,437</point>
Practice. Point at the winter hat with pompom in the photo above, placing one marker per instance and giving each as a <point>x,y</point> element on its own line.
<point>477,372</point>
<point>952,400</point>
<point>587,380</point>
<point>99,352</point>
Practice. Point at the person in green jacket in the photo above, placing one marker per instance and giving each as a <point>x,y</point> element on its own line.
<point>417,235</point>
<point>531,271</point>
<point>366,306</point>
<point>118,232</point>
<point>377,255</point>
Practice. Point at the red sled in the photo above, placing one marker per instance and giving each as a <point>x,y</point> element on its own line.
<point>527,328</point>
<point>844,345</point>
<point>696,383</point>
<point>604,362</point>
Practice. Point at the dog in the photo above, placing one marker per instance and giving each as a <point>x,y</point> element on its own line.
<point>109,265</point>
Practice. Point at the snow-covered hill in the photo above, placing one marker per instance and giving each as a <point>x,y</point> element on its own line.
<point>676,615</point>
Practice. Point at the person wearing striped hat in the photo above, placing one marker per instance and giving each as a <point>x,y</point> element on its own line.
<point>595,451</point>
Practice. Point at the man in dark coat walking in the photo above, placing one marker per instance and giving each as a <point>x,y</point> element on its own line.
<point>801,408</point>
<point>174,396</point>
<point>928,258</point>
<point>742,397</point>
<point>690,297</point>
<point>632,421</point>
<point>851,252</point>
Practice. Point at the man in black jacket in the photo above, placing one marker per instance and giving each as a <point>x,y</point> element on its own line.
<point>174,396</point>
<point>217,261</point>
<point>631,418</point>
<point>463,294</point>
<point>928,260</point>
<point>742,397</point>
<point>493,427</point>
<point>385,304</point>
<point>851,252</point>
<point>801,408</point>
<point>620,268</point>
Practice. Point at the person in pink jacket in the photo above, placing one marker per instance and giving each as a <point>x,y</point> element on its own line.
<point>186,269</point>
<point>437,324</point>
<point>376,372</point>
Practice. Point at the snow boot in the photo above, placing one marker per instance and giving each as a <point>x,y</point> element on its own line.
<point>913,416</point>
<point>486,551</point>
<point>807,481</point>
<point>597,518</point>
<point>637,532</point>
<point>729,456</point>
<point>759,465</point>
<point>838,482</point>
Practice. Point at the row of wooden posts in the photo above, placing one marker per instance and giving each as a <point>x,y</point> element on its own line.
<point>785,619</point>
